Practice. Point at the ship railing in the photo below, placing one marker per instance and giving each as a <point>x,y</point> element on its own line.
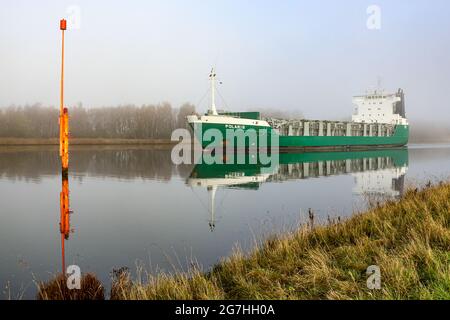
<point>330,128</point>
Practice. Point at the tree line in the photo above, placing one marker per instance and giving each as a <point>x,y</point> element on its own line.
<point>125,121</point>
<point>139,122</point>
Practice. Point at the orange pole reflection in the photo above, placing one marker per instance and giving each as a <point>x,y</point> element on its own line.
<point>64,224</point>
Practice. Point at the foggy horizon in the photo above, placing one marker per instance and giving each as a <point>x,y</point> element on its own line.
<point>298,57</point>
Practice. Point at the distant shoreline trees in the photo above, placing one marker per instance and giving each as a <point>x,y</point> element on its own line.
<point>125,121</point>
<point>152,121</point>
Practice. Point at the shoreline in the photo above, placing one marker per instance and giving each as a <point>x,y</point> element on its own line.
<point>83,141</point>
<point>116,141</point>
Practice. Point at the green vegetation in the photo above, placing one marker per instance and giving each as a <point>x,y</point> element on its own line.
<point>408,239</point>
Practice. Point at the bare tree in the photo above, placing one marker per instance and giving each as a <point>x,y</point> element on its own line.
<point>185,110</point>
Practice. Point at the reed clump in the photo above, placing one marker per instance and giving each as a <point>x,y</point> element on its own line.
<point>409,240</point>
<point>56,289</point>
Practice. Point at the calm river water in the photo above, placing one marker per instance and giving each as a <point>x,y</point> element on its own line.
<point>132,206</point>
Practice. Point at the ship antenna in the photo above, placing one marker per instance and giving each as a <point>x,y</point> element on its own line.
<point>212,78</point>
<point>212,221</point>
<point>380,83</point>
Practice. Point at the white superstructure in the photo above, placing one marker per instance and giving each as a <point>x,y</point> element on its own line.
<point>380,107</point>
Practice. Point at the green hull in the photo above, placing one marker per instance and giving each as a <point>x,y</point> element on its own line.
<point>399,138</point>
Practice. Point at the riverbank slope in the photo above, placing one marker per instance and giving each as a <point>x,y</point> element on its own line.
<point>409,240</point>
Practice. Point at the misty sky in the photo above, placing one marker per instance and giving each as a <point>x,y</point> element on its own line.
<point>310,56</point>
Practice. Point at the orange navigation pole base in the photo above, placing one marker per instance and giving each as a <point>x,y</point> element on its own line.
<point>64,141</point>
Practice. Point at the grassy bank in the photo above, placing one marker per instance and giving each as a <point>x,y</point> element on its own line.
<point>82,141</point>
<point>408,239</point>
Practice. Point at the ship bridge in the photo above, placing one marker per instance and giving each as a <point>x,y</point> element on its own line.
<point>380,107</point>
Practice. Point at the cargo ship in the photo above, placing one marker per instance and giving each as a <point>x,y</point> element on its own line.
<point>378,121</point>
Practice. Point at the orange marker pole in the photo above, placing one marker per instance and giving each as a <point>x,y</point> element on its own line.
<point>64,224</point>
<point>63,114</point>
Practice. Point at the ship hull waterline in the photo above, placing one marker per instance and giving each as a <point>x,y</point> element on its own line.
<point>399,138</point>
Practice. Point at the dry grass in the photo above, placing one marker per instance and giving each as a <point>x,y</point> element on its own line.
<point>56,289</point>
<point>408,239</point>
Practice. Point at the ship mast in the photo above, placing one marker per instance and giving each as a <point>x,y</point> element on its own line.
<point>212,222</point>
<point>212,77</point>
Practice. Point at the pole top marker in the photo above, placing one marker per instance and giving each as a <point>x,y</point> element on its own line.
<point>63,24</point>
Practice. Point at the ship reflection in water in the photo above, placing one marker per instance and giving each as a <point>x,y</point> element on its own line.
<point>376,173</point>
